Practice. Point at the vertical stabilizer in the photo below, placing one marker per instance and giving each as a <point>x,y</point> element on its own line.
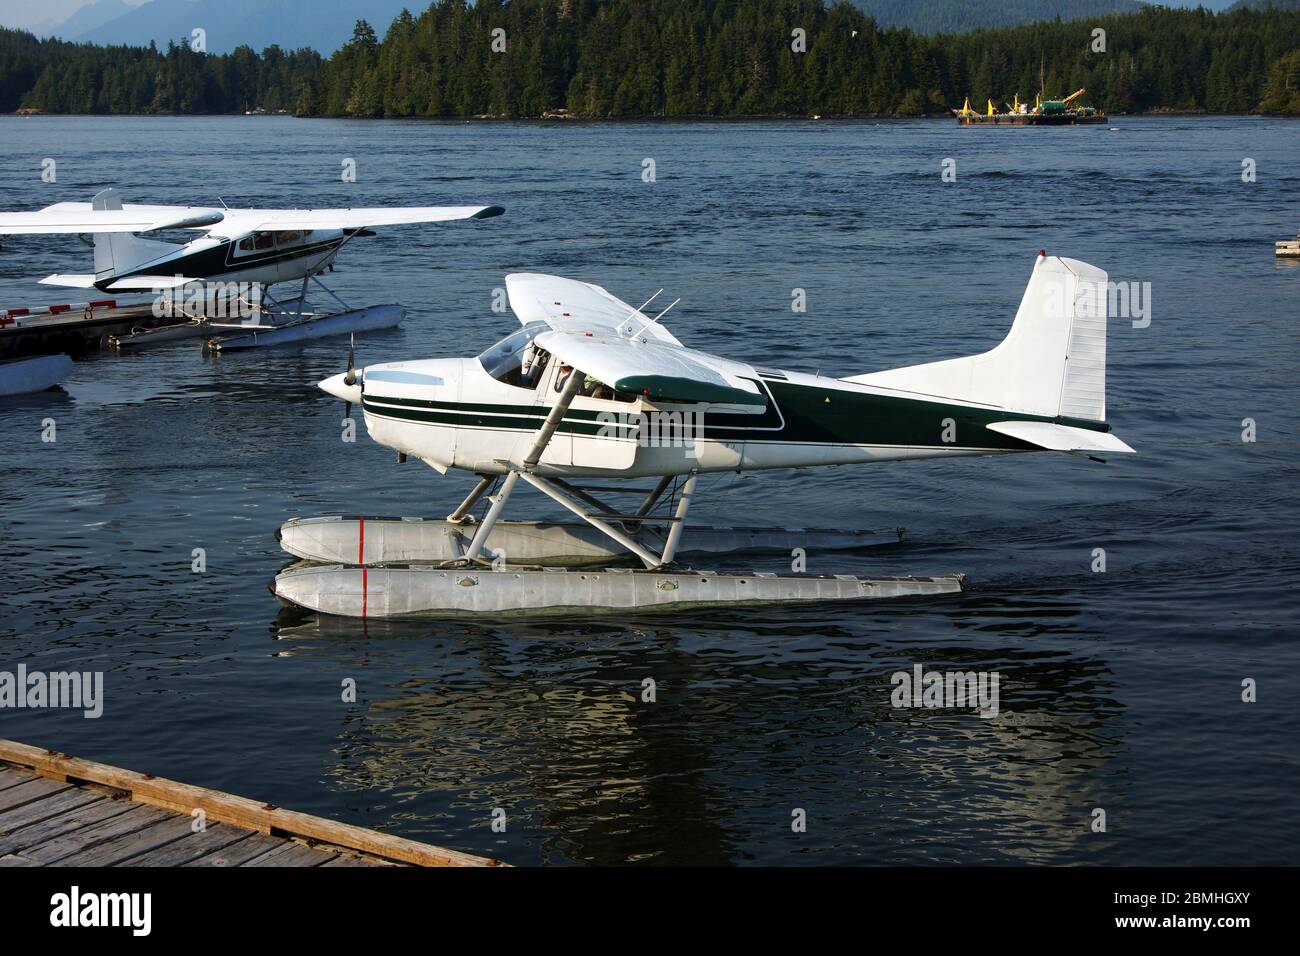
<point>1052,362</point>
<point>119,253</point>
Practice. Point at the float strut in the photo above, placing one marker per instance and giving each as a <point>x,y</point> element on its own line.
<point>654,496</point>
<point>484,483</point>
<point>649,558</point>
<point>490,519</point>
<point>675,532</point>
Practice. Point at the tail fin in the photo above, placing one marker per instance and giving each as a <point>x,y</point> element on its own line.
<point>1052,362</point>
<point>117,253</point>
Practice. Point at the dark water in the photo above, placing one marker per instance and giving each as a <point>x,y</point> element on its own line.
<point>1120,690</point>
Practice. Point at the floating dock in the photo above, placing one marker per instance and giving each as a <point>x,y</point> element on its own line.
<point>57,810</point>
<point>1289,248</point>
<point>73,329</point>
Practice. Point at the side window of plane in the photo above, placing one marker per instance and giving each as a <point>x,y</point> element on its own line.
<point>534,365</point>
<point>288,238</point>
<point>264,240</point>
<point>246,244</point>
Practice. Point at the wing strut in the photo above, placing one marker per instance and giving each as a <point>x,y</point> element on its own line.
<point>556,490</point>
<point>542,439</point>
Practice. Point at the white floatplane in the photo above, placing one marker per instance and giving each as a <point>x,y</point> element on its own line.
<point>239,249</point>
<point>592,388</point>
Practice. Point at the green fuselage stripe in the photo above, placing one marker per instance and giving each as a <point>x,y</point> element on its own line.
<point>800,414</point>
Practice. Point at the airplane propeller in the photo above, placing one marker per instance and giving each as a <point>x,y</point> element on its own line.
<point>351,377</point>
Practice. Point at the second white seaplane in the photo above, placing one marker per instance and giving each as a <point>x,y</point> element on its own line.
<point>227,270</point>
<point>592,388</point>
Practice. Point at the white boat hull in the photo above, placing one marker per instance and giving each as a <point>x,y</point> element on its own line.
<point>26,375</point>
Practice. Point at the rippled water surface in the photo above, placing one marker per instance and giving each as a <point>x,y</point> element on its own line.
<point>1120,690</point>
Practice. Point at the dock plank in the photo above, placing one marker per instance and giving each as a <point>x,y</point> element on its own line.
<point>11,778</point>
<point>217,836</point>
<point>85,816</point>
<point>29,792</point>
<point>45,808</point>
<point>137,817</point>
<point>349,859</point>
<point>60,810</point>
<point>123,848</point>
<point>237,854</point>
<point>293,854</point>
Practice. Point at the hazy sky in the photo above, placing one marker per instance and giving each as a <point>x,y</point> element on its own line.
<point>27,15</point>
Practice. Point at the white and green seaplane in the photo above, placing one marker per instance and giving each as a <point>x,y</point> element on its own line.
<point>592,389</point>
<point>217,286</point>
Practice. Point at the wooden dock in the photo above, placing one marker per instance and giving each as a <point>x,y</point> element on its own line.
<point>73,330</point>
<point>57,810</point>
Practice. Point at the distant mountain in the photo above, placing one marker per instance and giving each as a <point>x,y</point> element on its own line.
<point>323,25</point>
<point>90,17</point>
<point>1265,4</point>
<point>958,16</point>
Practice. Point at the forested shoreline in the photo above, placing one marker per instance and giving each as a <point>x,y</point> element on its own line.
<point>625,59</point>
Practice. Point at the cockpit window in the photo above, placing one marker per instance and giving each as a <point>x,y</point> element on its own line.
<point>515,360</point>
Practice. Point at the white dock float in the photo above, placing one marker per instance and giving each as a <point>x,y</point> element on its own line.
<point>25,375</point>
<point>337,539</point>
<point>358,320</point>
<point>414,592</point>
<point>1289,248</point>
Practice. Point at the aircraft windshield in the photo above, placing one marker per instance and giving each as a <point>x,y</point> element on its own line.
<point>504,361</point>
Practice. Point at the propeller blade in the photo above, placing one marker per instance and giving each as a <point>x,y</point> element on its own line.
<point>351,377</point>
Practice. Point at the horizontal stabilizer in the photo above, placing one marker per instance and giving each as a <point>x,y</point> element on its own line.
<point>1056,437</point>
<point>150,283</point>
<point>72,281</point>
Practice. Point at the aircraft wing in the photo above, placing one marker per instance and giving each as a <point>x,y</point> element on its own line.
<point>239,221</point>
<point>81,217</point>
<point>568,305</point>
<point>658,370</point>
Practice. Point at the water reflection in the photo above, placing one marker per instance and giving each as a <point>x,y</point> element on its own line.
<point>757,712</point>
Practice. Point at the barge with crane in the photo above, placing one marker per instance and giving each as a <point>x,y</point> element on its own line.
<point>1063,112</point>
